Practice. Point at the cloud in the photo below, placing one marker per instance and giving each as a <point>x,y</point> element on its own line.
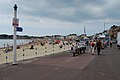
<point>68,10</point>
<point>65,16</point>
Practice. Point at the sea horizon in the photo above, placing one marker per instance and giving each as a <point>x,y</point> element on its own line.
<point>9,42</point>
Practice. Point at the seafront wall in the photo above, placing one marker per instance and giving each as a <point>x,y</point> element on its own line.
<point>24,52</point>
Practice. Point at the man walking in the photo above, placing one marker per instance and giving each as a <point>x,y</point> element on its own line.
<point>99,45</point>
<point>110,43</point>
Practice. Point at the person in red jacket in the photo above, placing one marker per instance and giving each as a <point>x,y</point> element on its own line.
<point>92,45</point>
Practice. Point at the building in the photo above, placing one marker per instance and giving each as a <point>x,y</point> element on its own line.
<point>113,31</point>
<point>72,36</point>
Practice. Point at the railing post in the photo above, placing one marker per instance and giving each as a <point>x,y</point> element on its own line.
<point>53,48</point>
<point>45,49</point>
<point>6,59</point>
<point>36,54</point>
<point>23,54</point>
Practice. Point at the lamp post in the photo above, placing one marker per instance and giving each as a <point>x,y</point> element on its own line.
<point>15,24</point>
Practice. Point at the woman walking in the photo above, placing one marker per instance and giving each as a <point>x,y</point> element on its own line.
<point>92,45</point>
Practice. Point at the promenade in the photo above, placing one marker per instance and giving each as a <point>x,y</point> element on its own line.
<point>63,66</point>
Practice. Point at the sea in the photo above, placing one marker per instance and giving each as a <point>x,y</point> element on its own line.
<point>6,42</point>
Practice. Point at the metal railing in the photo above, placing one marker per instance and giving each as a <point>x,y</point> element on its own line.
<point>26,53</point>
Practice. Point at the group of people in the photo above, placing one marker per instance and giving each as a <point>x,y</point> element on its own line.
<point>95,44</point>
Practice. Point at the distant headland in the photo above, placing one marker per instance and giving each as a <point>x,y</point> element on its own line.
<point>5,36</point>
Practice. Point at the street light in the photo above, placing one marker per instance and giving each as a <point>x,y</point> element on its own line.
<point>15,24</point>
<point>15,7</point>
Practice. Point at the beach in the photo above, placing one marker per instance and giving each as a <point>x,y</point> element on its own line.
<point>24,52</point>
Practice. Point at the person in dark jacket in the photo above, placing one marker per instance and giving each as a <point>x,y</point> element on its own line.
<point>99,45</point>
<point>110,43</point>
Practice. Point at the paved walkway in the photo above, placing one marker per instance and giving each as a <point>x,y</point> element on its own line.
<point>62,66</point>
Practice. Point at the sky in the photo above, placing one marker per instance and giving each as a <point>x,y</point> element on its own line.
<point>59,17</point>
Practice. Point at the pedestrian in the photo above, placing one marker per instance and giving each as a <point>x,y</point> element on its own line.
<point>4,45</point>
<point>7,45</point>
<point>99,45</point>
<point>110,43</point>
<point>87,43</point>
<point>72,47</point>
<point>83,47</point>
<point>92,45</point>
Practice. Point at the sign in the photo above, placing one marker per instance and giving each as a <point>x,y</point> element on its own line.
<point>15,22</point>
<point>19,29</point>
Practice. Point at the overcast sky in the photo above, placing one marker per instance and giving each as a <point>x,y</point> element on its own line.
<point>49,17</point>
